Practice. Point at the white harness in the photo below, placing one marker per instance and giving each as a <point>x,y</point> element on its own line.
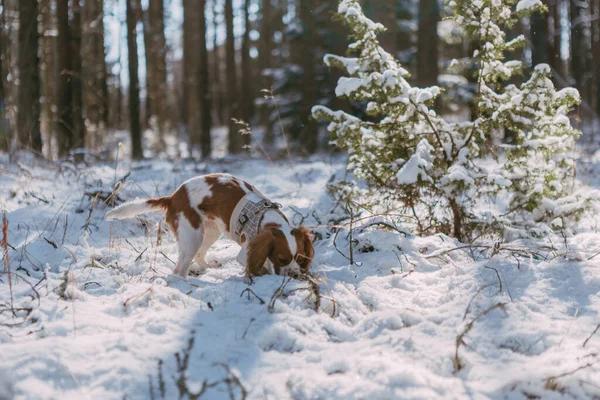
<point>248,214</point>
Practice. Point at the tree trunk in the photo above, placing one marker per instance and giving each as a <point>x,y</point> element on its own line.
<point>64,90</point>
<point>134,85</point>
<point>94,71</point>
<point>458,214</point>
<point>47,52</point>
<point>142,15</point>
<point>217,86</point>
<point>309,134</point>
<point>76,76</point>
<point>159,101</point>
<point>235,142</point>
<point>578,48</point>
<point>191,60</point>
<point>4,45</point>
<point>427,53</point>
<point>596,54</point>
<point>558,28</point>
<point>552,52</point>
<point>204,86</point>
<point>386,13</point>
<point>265,61</point>
<point>247,88</point>
<point>29,108</point>
<point>539,38</point>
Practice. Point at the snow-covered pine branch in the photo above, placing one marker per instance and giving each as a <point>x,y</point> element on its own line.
<point>449,173</point>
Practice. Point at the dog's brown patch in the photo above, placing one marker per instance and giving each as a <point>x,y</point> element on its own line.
<point>175,204</point>
<point>306,251</point>
<point>225,196</point>
<point>270,243</point>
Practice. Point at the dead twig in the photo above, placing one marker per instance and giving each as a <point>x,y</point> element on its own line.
<point>593,333</point>
<point>133,299</point>
<point>248,327</point>
<point>551,382</point>
<point>498,275</point>
<point>458,365</point>
<point>6,260</point>
<point>473,298</point>
<point>250,291</point>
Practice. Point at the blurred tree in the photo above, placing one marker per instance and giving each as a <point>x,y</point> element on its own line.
<point>247,109</point>
<point>553,31</point>
<point>4,46</point>
<point>191,65</point>
<point>94,73</point>
<point>28,107</point>
<point>75,75</point>
<point>64,89</point>
<point>265,61</point>
<point>578,47</point>
<point>48,72</point>
<point>539,38</point>
<point>386,13</point>
<point>308,135</point>
<point>204,87</point>
<point>235,140</point>
<point>428,52</point>
<point>596,52</point>
<point>219,102</point>
<point>156,67</point>
<point>134,84</point>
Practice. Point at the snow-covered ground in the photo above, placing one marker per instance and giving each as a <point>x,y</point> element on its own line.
<point>98,315</point>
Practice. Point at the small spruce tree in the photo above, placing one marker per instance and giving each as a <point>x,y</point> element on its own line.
<point>448,174</point>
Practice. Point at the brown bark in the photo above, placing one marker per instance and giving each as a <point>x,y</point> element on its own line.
<point>76,76</point>
<point>158,50</point>
<point>149,57</point>
<point>235,142</point>
<point>247,87</point>
<point>265,61</point>
<point>553,38</point>
<point>64,90</point>
<point>217,73</point>
<point>4,45</point>
<point>48,51</point>
<point>596,52</point>
<point>428,53</point>
<point>309,134</point>
<point>539,38</point>
<point>94,71</point>
<point>386,13</point>
<point>29,108</point>
<point>191,60</point>
<point>134,85</point>
<point>204,86</point>
<point>578,47</point>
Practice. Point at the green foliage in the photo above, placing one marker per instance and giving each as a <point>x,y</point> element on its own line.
<point>448,174</point>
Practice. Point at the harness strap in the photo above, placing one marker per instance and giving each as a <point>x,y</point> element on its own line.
<point>248,215</point>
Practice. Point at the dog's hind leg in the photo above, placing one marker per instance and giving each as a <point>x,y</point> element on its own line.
<point>211,235</point>
<point>189,241</point>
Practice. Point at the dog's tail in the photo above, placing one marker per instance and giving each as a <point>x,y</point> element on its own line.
<point>136,207</point>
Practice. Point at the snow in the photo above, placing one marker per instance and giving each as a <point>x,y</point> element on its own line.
<point>109,309</point>
<point>527,5</point>
<point>417,165</point>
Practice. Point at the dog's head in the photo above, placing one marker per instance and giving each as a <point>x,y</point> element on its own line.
<point>282,248</point>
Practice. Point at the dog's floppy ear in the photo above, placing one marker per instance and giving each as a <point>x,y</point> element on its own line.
<point>259,249</point>
<point>304,241</point>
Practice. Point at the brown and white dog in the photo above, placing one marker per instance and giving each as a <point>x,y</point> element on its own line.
<point>206,207</point>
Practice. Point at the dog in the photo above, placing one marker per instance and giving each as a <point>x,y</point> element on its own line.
<point>206,207</point>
